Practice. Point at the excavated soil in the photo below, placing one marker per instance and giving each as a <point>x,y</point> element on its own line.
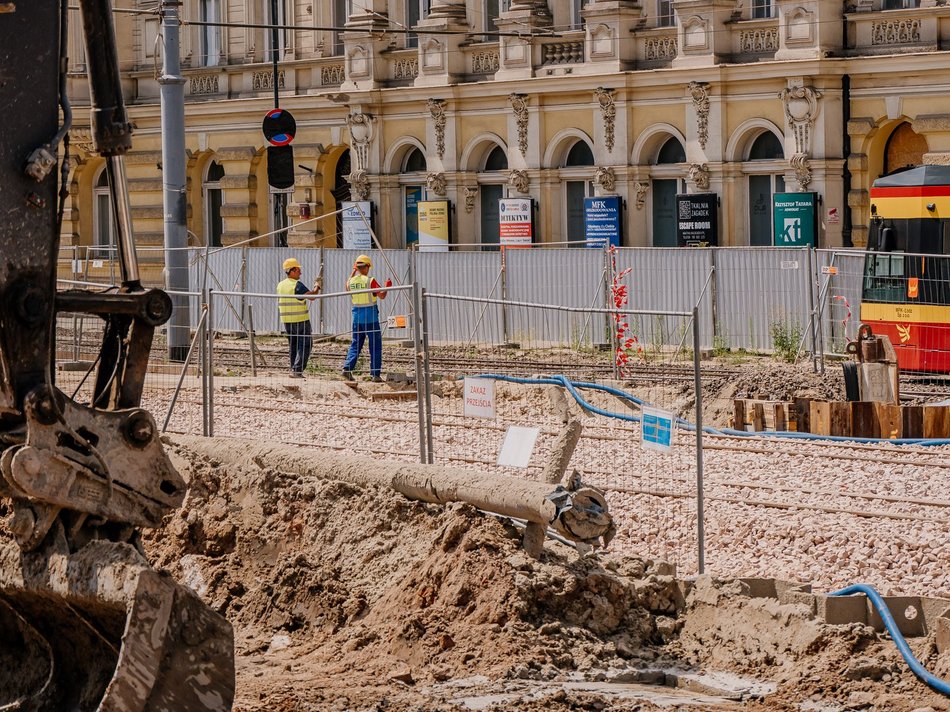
<point>355,598</point>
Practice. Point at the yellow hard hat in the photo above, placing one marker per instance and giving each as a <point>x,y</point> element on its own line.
<point>290,263</point>
<point>364,260</point>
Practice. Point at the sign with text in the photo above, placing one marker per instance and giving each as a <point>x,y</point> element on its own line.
<point>795,219</point>
<point>357,224</point>
<point>413,196</point>
<point>602,221</point>
<point>656,429</point>
<point>479,398</point>
<point>697,220</point>
<point>433,219</point>
<point>515,227</point>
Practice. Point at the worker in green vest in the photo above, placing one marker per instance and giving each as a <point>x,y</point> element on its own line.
<point>365,319</point>
<point>295,315</point>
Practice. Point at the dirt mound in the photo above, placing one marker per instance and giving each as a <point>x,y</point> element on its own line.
<point>347,597</point>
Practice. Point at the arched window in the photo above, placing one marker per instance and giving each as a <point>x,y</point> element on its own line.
<point>213,197</point>
<point>497,160</point>
<point>905,147</point>
<point>413,168</point>
<point>671,152</point>
<point>664,186</point>
<point>491,189</point>
<point>577,186</point>
<point>103,225</point>
<point>765,167</point>
<point>415,162</point>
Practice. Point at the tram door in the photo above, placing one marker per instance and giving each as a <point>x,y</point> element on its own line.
<point>664,213</point>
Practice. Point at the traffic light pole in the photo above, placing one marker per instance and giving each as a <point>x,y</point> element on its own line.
<point>174,198</point>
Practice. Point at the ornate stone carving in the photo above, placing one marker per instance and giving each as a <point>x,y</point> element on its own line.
<point>361,135</point>
<point>700,93</point>
<point>485,62</point>
<point>606,179</point>
<point>264,80</point>
<point>470,194</point>
<point>332,75</point>
<point>759,41</point>
<point>519,104</point>
<point>801,110</point>
<point>802,170</point>
<point>519,180</point>
<point>203,84</point>
<point>661,48</point>
<point>437,112</point>
<point>698,174</point>
<point>359,184</point>
<point>608,110</point>
<point>435,183</point>
<point>406,68</point>
<point>641,187</point>
<point>889,32</point>
<point>82,139</point>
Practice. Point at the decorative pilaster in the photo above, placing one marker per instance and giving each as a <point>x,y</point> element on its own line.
<point>808,29</point>
<point>606,180</point>
<point>519,181</point>
<point>703,37</point>
<point>518,56</point>
<point>441,60</point>
<point>608,24</point>
<point>641,188</point>
<point>436,109</point>
<point>361,135</point>
<point>608,112</point>
<point>519,104</point>
<point>436,184</point>
<point>470,192</point>
<point>801,111</point>
<point>363,43</point>
<point>699,91</point>
<point>698,175</point>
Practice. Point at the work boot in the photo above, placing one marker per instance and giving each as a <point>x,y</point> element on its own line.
<point>376,379</point>
<point>348,375</point>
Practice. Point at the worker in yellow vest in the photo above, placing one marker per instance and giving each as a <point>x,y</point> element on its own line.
<point>295,315</point>
<point>365,319</point>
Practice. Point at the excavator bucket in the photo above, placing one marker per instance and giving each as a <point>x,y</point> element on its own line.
<point>100,630</point>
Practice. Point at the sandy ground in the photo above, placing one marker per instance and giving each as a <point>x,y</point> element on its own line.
<point>355,598</point>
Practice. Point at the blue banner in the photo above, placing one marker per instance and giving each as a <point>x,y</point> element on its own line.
<point>413,196</point>
<point>602,221</point>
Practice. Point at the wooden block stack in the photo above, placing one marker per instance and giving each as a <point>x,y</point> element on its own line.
<point>858,419</point>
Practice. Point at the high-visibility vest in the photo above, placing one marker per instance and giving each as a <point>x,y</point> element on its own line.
<point>292,311</point>
<point>361,281</point>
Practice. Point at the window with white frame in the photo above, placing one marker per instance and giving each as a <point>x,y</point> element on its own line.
<point>762,9</point>
<point>415,10</point>
<point>664,13</point>
<point>283,35</point>
<point>210,45</point>
<point>103,225</point>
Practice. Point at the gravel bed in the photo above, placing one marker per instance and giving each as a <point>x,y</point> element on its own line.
<point>900,547</point>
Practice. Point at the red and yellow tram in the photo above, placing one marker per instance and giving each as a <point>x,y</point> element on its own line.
<point>905,292</point>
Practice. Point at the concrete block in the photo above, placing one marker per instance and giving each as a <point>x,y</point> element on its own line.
<point>843,610</point>
<point>907,613</point>
<point>942,635</point>
<point>800,598</point>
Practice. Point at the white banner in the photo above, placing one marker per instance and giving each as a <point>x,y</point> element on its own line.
<point>356,225</point>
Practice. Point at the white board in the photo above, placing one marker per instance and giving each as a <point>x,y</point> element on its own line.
<point>479,398</point>
<point>518,445</point>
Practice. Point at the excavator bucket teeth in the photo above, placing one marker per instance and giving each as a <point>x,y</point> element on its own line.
<point>100,630</point>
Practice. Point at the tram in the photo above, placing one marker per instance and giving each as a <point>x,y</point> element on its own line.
<point>905,291</point>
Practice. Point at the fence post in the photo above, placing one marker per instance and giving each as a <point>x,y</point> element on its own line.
<point>320,313</point>
<point>420,373</point>
<point>698,381</point>
<point>504,298</point>
<point>427,378</point>
<point>209,378</point>
<point>714,293</point>
<point>612,342</point>
<point>813,315</point>
<point>203,361</point>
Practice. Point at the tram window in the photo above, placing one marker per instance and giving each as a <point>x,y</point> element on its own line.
<point>946,237</point>
<point>884,278</point>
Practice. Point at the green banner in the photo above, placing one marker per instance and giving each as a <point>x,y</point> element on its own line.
<point>795,219</point>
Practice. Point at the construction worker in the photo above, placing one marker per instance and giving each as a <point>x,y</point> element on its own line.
<point>365,319</point>
<point>295,315</point>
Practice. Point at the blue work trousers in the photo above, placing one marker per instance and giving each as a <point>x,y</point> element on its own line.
<point>301,341</point>
<point>366,325</point>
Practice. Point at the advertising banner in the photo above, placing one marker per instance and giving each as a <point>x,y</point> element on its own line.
<point>515,228</point>
<point>357,221</point>
<point>602,221</point>
<point>697,220</point>
<point>413,196</point>
<point>433,225</point>
<point>795,219</point>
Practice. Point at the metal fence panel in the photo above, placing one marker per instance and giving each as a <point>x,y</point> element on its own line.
<point>839,279</point>
<point>565,277</point>
<point>466,274</point>
<point>666,279</point>
<point>761,290</point>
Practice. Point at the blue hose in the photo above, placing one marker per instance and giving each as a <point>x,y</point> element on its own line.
<point>941,686</point>
<point>572,386</point>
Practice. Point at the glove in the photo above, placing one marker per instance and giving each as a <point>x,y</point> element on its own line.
<point>318,284</point>
<point>389,283</point>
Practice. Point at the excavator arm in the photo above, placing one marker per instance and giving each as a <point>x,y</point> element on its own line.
<point>79,480</point>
